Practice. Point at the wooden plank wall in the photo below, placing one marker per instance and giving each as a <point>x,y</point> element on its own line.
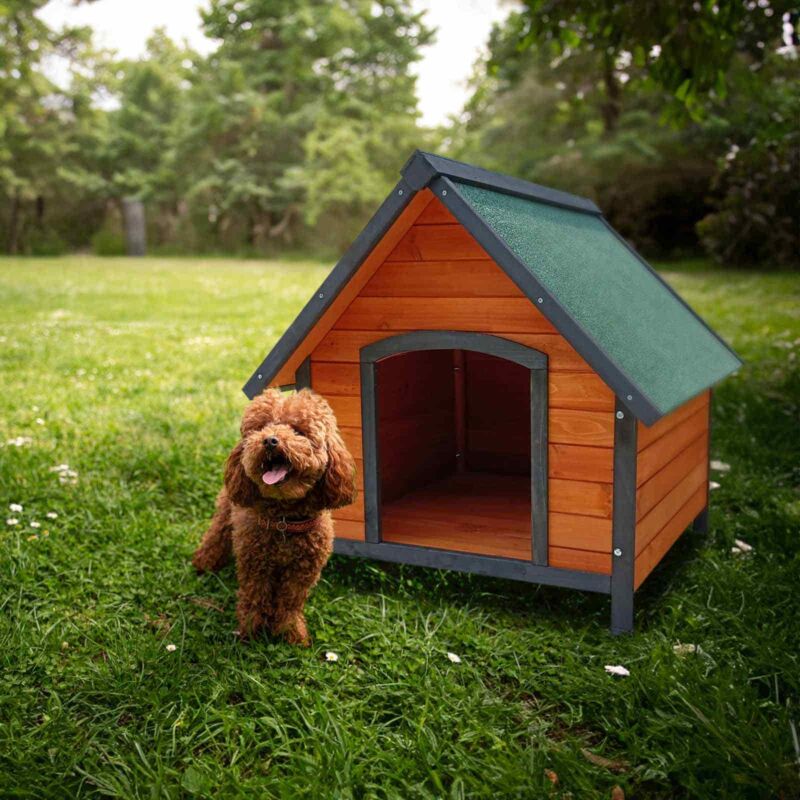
<point>672,480</point>
<point>498,439</point>
<point>438,277</point>
<point>416,420</point>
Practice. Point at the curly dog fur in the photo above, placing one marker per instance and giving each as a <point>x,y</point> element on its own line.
<point>290,465</point>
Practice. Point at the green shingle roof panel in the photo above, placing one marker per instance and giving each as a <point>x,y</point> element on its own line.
<point>642,327</point>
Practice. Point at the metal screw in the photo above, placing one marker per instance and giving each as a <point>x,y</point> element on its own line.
<point>540,299</point>
<point>630,397</point>
<point>617,552</point>
<point>259,376</point>
<point>321,295</point>
<point>444,192</point>
<point>399,191</point>
<point>620,415</point>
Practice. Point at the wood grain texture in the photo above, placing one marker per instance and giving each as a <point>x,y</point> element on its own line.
<point>651,555</point>
<point>579,532</point>
<point>646,436</point>
<point>653,490</point>
<point>581,463</point>
<point>348,529</point>
<point>583,560</point>
<point>649,527</point>
<point>487,315</point>
<point>362,275</point>
<point>470,278</point>
<point>595,428</point>
<point>579,390</point>
<point>343,346</point>
<point>435,213</point>
<point>663,450</point>
<point>440,242</point>
<point>581,497</point>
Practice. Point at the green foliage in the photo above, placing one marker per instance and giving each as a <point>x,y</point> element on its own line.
<point>108,243</point>
<point>143,364</point>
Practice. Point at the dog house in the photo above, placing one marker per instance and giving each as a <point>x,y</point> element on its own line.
<point>524,395</point>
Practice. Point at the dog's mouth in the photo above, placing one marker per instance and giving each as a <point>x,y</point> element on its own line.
<point>276,470</point>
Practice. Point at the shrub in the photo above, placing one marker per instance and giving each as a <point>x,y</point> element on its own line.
<point>108,243</point>
<point>759,194</point>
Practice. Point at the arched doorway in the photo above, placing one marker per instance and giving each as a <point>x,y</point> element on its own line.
<point>455,444</point>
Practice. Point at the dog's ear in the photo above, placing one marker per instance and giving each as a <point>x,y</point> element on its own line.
<point>241,490</point>
<point>339,481</point>
<point>261,411</point>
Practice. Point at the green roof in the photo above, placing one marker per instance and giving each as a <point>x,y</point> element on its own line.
<point>650,348</point>
<point>651,335</point>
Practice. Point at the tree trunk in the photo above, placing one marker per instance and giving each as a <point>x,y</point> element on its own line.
<point>612,107</point>
<point>13,226</point>
<point>135,230</point>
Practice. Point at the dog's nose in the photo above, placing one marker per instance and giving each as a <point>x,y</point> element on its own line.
<point>271,441</point>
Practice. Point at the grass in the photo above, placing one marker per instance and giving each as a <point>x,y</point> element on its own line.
<point>130,373</point>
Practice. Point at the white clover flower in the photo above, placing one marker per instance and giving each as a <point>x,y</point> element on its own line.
<point>713,485</point>
<point>331,656</point>
<point>454,658</point>
<point>15,507</point>
<point>681,649</point>
<point>655,51</point>
<point>12,521</point>
<point>51,515</point>
<point>171,648</point>
<point>36,524</point>
<point>39,421</point>
<point>19,441</point>
<point>617,669</point>
<point>743,546</point>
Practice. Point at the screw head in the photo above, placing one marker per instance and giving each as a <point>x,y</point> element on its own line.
<point>617,551</point>
<point>620,415</point>
<point>540,300</point>
<point>400,191</point>
<point>444,192</point>
<point>630,397</point>
<point>259,376</point>
<point>321,295</point>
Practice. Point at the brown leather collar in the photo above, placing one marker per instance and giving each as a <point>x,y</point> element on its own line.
<point>284,525</point>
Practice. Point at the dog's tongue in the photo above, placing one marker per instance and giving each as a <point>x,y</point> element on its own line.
<point>272,476</point>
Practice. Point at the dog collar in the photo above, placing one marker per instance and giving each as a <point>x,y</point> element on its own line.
<point>291,526</point>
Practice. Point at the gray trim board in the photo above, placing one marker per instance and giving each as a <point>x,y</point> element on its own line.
<point>303,375</point>
<point>484,343</point>
<point>539,471</point>
<point>623,526</point>
<point>455,340</point>
<point>321,300</point>
<point>421,168</point>
<point>481,565</point>
<point>622,385</point>
<point>370,451</point>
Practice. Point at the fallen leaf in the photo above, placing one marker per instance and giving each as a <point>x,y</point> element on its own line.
<point>743,546</point>
<point>601,761</point>
<point>713,485</point>
<point>617,793</point>
<point>686,649</point>
<point>720,466</point>
<point>552,776</point>
<point>204,602</point>
<point>454,658</point>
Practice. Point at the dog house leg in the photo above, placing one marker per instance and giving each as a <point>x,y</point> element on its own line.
<point>623,545</point>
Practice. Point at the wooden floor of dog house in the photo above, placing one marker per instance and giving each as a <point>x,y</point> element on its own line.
<point>471,512</point>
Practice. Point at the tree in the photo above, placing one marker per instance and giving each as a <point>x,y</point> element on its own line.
<point>684,46</point>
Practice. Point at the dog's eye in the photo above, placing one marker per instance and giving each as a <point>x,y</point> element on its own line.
<point>299,431</point>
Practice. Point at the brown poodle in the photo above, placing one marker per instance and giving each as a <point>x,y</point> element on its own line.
<point>273,513</point>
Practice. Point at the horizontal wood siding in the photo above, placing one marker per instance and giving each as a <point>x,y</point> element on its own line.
<point>672,481</point>
<point>436,277</point>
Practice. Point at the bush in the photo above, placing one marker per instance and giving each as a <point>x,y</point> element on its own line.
<point>46,242</point>
<point>759,194</point>
<point>108,243</point>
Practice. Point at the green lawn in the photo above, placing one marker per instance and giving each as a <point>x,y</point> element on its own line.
<point>130,373</point>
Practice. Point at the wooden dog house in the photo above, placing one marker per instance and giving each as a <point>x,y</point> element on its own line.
<point>525,397</point>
